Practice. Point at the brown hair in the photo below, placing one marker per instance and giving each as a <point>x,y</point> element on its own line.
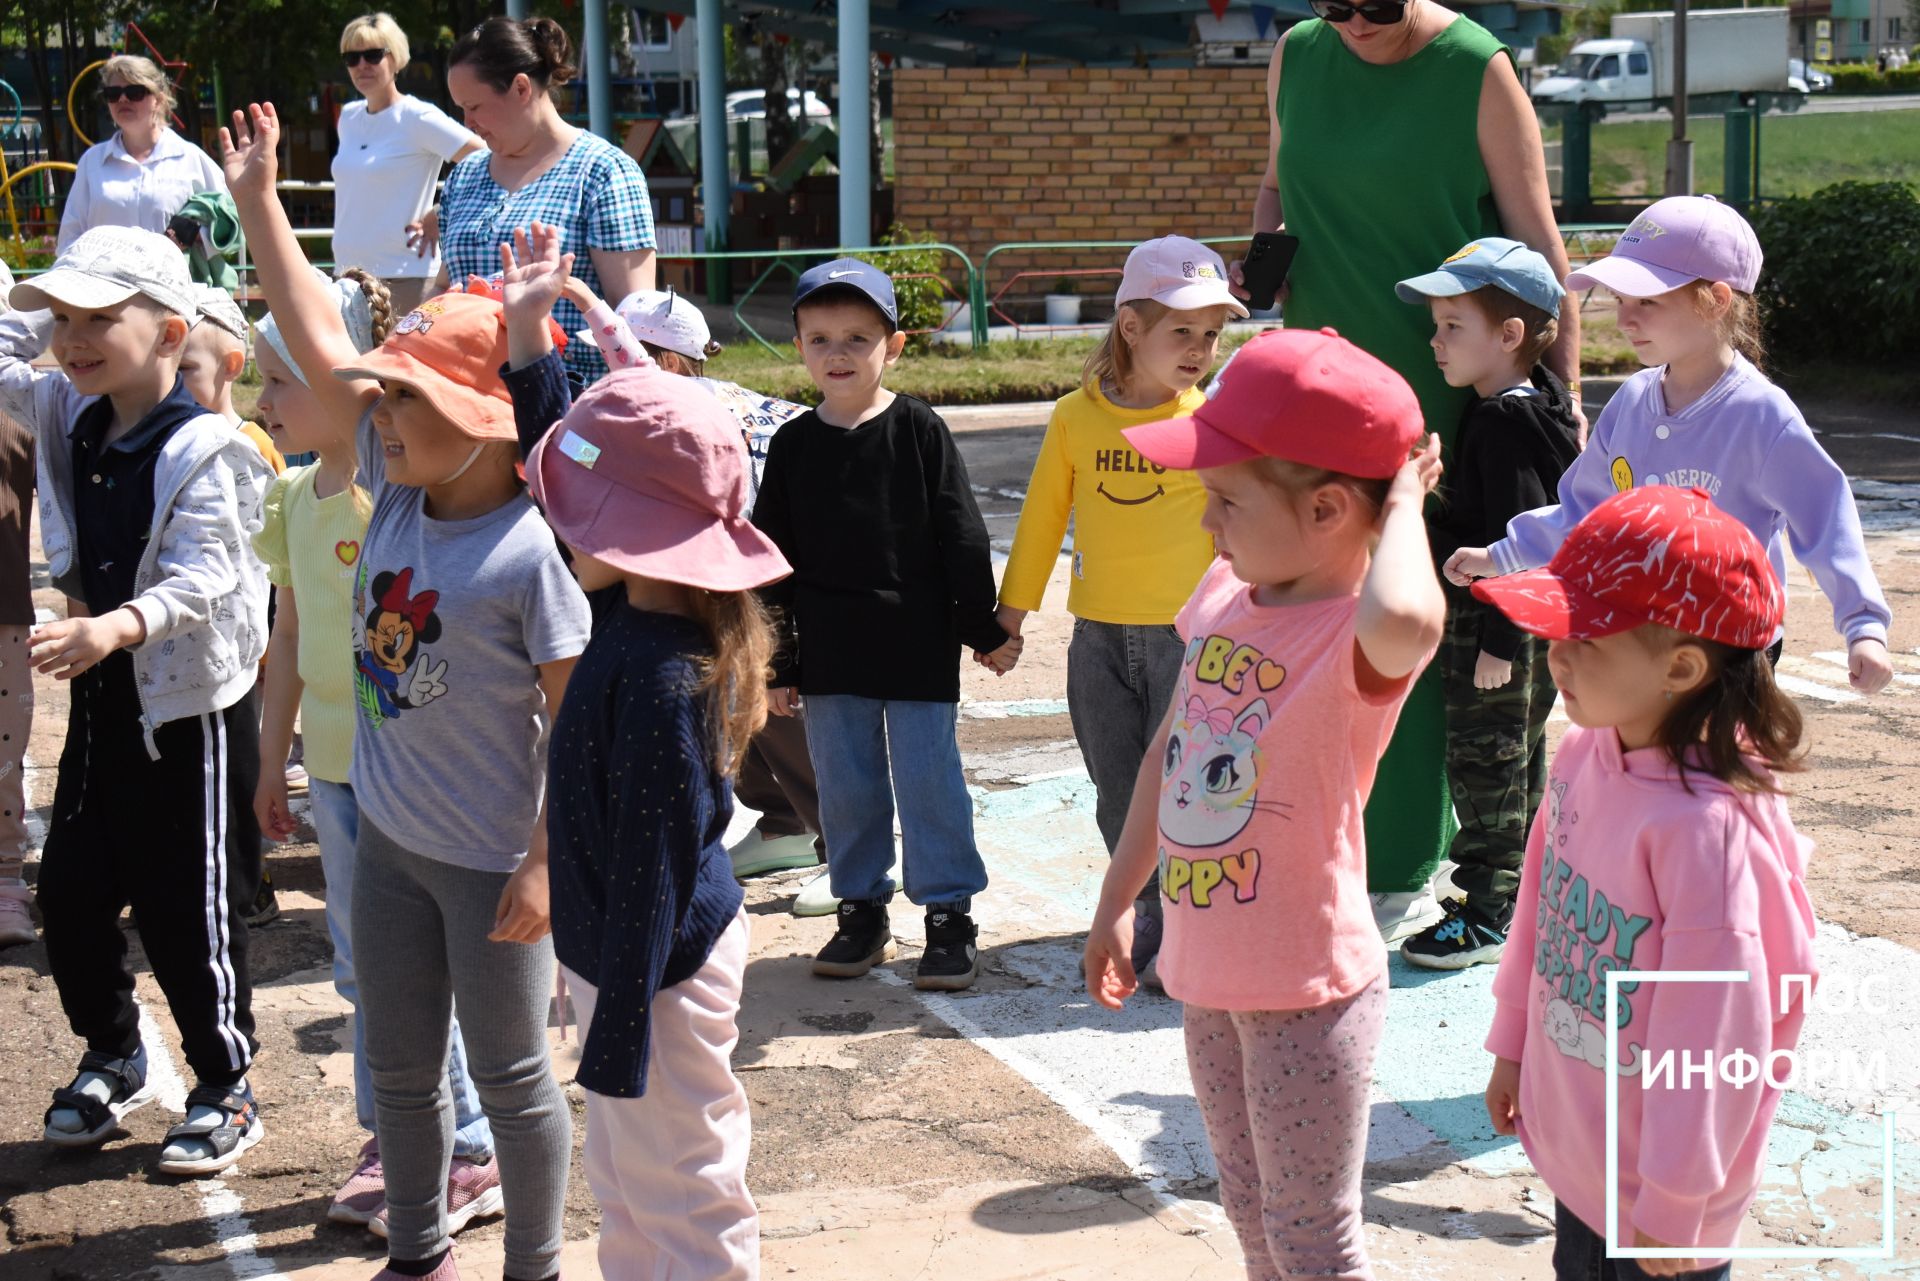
<point>1737,713</point>
<point>1112,361</point>
<point>1740,327</point>
<point>1499,306</point>
<point>683,363</point>
<point>501,48</point>
<point>1298,478</point>
<point>379,300</point>
<point>734,679</point>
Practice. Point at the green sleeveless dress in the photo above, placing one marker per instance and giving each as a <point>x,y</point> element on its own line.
<point>1380,177</point>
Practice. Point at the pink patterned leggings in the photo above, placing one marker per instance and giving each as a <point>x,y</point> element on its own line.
<point>1285,1095</point>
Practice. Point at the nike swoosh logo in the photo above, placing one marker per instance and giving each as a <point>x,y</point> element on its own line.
<point>1101,489</point>
<point>835,275</point>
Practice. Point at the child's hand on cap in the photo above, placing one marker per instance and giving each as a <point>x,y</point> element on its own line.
<point>1417,477</point>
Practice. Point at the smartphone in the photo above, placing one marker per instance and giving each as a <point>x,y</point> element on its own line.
<point>1266,266</point>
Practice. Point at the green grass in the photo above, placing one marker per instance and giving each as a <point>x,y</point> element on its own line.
<point>1799,154</point>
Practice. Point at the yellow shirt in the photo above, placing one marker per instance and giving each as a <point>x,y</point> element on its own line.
<point>1138,549</point>
<point>312,545</point>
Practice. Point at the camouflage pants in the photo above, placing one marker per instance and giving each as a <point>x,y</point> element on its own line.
<point>1496,758</point>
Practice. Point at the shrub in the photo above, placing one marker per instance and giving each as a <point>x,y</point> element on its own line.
<point>1853,77</point>
<point>1842,276</point>
<point>917,274</point>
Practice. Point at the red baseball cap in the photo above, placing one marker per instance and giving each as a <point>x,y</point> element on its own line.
<point>1656,554</point>
<point>1308,396</point>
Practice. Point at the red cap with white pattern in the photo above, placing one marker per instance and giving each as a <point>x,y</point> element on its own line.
<point>1656,554</point>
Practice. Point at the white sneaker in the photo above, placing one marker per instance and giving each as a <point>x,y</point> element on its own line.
<point>816,896</point>
<point>16,923</point>
<point>1401,915</point>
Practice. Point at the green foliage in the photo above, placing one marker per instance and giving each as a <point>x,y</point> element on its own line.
<point>1864,77</point>
<point>1842,274</point>
<point>917,274</point>
<point>21,255</point>
<point>1549,50</point>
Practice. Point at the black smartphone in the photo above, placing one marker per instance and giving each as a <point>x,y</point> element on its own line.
<point>1266,266</point>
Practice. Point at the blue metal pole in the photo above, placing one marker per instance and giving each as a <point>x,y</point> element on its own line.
<point>517,10</point>
<point>856,126</point>
<point>599,69</point>
<point>716,181</point>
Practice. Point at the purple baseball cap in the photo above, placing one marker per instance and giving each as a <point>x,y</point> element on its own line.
<point>1675,242</point>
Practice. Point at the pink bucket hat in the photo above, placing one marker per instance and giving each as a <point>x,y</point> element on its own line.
<point>648,472</point>
<point>1675,242</point>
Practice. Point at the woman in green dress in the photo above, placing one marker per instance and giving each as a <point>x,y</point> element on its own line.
<point>1399,133</point>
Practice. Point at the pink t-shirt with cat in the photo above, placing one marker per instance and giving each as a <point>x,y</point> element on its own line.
<point>1263,858</point>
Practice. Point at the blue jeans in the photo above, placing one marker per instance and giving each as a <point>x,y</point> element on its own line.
<point>856,744</point>
<point>1580,1254</point>
<point>336,817</point>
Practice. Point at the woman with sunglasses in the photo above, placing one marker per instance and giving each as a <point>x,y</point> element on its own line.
<point>144,173</point>
<point>1398,133</point>
<point>392,146</point>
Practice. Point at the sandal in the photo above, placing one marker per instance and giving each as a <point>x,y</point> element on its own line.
<point>100,1118</point>
<point>221,1125</point>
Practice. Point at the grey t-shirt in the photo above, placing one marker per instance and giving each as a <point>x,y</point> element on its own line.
<point>450,622</point>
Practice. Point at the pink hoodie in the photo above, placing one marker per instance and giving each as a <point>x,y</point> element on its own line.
<point>1628,870</point>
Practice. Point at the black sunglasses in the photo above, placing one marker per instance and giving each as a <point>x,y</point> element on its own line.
<point>132,93</point>
<point>1381,13</point>
<point>354,57</point>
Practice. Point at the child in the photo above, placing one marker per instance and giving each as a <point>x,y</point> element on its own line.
<point>1138,548</point>
<point>215,356</point>
<point>147,503</point>
<point>466,624</point>
<point>16,695</point>
<point>1704,414</point>
<point>1496,306</point>
<point>868,500</point>
<point>776,776</point>
<point>646,483</point>
<point>1302,640</point>
<point>1659,607</point>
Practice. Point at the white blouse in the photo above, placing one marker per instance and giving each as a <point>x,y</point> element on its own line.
<point>112,189</point>
<point>383,179</point>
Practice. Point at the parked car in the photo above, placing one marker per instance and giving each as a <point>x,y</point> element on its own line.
<point>751,104</point>
<point>1807,79</point>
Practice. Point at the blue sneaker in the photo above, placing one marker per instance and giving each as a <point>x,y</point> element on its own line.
<point>1463,938</point>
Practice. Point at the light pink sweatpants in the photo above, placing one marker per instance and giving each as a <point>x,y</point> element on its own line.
<point>1285,1096</point>
<point>669,1169</point>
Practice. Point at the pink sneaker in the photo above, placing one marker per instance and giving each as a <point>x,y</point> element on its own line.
<point>445,1272</point>
<point>364,1194</point>
<point>16,923</point>
<point>473,1192</point>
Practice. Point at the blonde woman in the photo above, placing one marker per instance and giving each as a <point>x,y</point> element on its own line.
<point>392,146</point>
<point>142,174</point>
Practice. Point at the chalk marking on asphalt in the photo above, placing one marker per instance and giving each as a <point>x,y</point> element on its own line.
<point>1786,680</point>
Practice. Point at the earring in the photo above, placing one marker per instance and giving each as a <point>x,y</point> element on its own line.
<point>1669,696</point>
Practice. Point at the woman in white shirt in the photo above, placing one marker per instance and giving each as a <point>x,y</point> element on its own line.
<point>391,148</point>
<point>142,175</point>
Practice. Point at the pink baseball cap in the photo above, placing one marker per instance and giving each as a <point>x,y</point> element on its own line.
<point>1655,554</point>
<point>1675,242</point>
<point>648,472</point>
<point>1305,395</point>
<point>1179,273</point>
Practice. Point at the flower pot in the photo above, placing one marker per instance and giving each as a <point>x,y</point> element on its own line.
<point>1063,309</point>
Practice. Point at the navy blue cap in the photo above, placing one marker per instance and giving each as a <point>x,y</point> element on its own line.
<point>1492,260</point>
<point>863,278</point>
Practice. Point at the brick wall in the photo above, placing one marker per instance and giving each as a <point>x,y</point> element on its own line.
<point>984,156</point>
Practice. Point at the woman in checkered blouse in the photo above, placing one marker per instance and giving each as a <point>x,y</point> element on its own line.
<point>539,168</point>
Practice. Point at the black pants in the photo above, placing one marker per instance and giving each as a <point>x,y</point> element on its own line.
<point>776,778</point>
<point>1580,1254</point>
<point>177,839</point>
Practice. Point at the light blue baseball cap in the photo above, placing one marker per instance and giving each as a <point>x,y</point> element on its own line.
<point>1492,260</point>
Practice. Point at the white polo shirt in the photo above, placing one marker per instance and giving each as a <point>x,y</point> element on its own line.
<point>383,179</point>
<point>112,189</point>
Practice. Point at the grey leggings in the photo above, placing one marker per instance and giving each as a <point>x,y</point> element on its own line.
<point>420,945</point>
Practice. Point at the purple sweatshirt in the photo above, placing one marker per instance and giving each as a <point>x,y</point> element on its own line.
<point>1746,445</point>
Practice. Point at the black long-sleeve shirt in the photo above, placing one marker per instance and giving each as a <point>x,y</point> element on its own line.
<point>1507,459</point>
<point>892,568</point>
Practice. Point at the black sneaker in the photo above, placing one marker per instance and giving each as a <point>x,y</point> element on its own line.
<point>1463,938</point>
<point>951,961</point>
<point>861,940</point>
<point>265,907</point>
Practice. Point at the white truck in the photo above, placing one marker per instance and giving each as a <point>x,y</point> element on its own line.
<point>1728,51</point>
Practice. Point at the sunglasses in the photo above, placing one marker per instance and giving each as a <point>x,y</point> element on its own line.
<point>1381,13</point>
<point>132,93</point>
<point>354,57</point>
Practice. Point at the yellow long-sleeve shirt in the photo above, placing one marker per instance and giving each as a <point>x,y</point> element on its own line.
<point>1138,549</point>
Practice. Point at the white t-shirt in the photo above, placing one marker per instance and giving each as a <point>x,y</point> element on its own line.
<point>112,189</point>
<point>383,178</point>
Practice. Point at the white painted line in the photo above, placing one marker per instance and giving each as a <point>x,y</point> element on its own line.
<point>1813,689</point>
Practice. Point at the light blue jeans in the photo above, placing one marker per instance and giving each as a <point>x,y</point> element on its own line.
<point>336,817</point>
<point>870,753</point>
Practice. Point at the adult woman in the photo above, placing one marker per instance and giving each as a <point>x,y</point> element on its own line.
<point>142,175</point>
<point>540,168</point>
<point>391,148</point>
<point>1398,134</point>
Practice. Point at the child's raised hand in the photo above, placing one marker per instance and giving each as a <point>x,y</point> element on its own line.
<point>1490,672</point>
<point>1108,960</point>
<point>1419,474</point>
<point>1868,666</point>
<point>250,156</point>
<point>579,293</point>
<point>534,273</point>
<point>1503,1096</point>
<point>1468,564</point>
